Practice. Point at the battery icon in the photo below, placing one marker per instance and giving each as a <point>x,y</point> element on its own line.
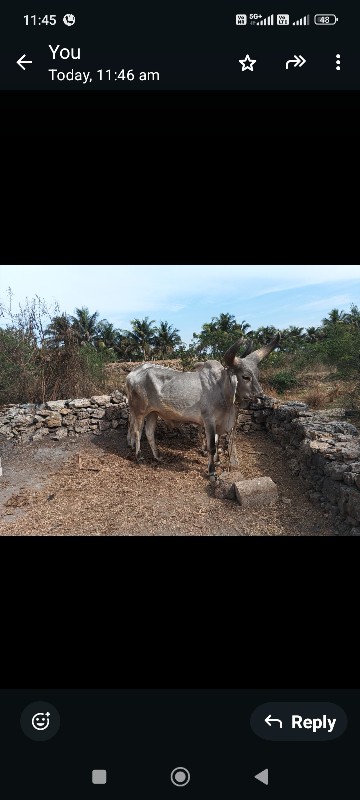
<point>325,19</point>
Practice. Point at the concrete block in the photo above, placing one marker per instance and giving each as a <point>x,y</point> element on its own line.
<point>225,486</point>
<point>256,493</point>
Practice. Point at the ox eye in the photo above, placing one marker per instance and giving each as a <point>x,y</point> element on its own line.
<point>246,378</point>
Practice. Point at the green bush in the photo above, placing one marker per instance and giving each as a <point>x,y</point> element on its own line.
<point>282,381</point>
<point>187,356</point>
<point>341,348</point>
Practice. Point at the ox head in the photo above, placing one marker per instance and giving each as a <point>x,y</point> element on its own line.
<point>245,368</point>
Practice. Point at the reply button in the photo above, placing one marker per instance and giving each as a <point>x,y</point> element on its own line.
<point>306,722</point>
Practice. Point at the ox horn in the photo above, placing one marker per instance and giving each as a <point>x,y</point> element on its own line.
<point>229,356</point>
<point>258,355</point>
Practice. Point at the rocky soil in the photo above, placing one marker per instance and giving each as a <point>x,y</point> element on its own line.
<point>93,486</point>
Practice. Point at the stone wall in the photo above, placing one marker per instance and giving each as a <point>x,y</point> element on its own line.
<point>61,418</point>
<point>322,450</point>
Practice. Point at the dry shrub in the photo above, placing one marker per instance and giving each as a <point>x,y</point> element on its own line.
<point>316,398</point>
<point>334,394</point>
<point>35,368</point>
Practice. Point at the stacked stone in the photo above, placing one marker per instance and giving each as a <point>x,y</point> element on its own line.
<point>324,453</point>
<point>61,418</point>
<point>244,421</point>
<point>254,418</point>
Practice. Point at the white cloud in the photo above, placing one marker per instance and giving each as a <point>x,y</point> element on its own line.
<point>296,277</point>
<point>159,290</point>
<point>334,302</point>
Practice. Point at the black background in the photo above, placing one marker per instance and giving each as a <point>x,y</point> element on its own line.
<point>163,114</point>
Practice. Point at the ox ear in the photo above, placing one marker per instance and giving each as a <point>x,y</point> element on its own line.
<point>254,358</point>
<point>230,355</point>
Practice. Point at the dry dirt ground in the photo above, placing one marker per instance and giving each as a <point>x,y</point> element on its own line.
<point>93,486</point>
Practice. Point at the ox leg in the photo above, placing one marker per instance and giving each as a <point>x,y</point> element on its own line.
<point>135,435</point>
<point>216,456</point>
<point>203,444</point>
<point>130,433</point>
<point>150,426</point>
<point>211,448</point>
<point>202,441</point>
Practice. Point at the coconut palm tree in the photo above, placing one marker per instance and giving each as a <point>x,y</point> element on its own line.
<point>264,334</point>
<point>108,336</point>
<point>84,325</point>
<point>292,338</point>
<point>59,332</point>
<point>334,317</point>
<point>226,323</point>
<point>166,339</point>
<point>311,334</point>
<point>142,336</point>
<point>354,316</point>
<point>217,336</point>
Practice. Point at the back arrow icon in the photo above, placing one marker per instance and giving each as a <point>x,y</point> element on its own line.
<point>298,61</point>
<point>21,62</point>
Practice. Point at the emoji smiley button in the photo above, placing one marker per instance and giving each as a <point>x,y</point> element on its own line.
<point>40,721</point>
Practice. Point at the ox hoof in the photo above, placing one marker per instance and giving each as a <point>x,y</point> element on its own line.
<point>213,478</point>
<point>139,458</point>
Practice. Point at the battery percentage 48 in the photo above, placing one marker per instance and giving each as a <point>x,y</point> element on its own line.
<point>325,19</point>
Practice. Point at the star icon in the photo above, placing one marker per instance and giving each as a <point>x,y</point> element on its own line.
<point>247,63</point>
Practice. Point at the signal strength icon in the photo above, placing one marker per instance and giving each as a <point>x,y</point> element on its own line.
<point>303,20</point>
<point>267,21</point>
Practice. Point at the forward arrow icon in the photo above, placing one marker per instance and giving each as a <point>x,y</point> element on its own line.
<point>298,61</point>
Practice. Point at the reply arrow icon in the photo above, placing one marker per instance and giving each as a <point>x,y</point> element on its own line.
<point>21,62</point>
<point>298,61</point>
<point>269,720</point>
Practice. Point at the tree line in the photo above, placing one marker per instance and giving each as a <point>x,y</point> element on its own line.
<point>163,341</point>
<point>44,351</point>
<point>145,339</point>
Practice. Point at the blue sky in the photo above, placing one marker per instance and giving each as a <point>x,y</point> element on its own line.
<point>187,296</point>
